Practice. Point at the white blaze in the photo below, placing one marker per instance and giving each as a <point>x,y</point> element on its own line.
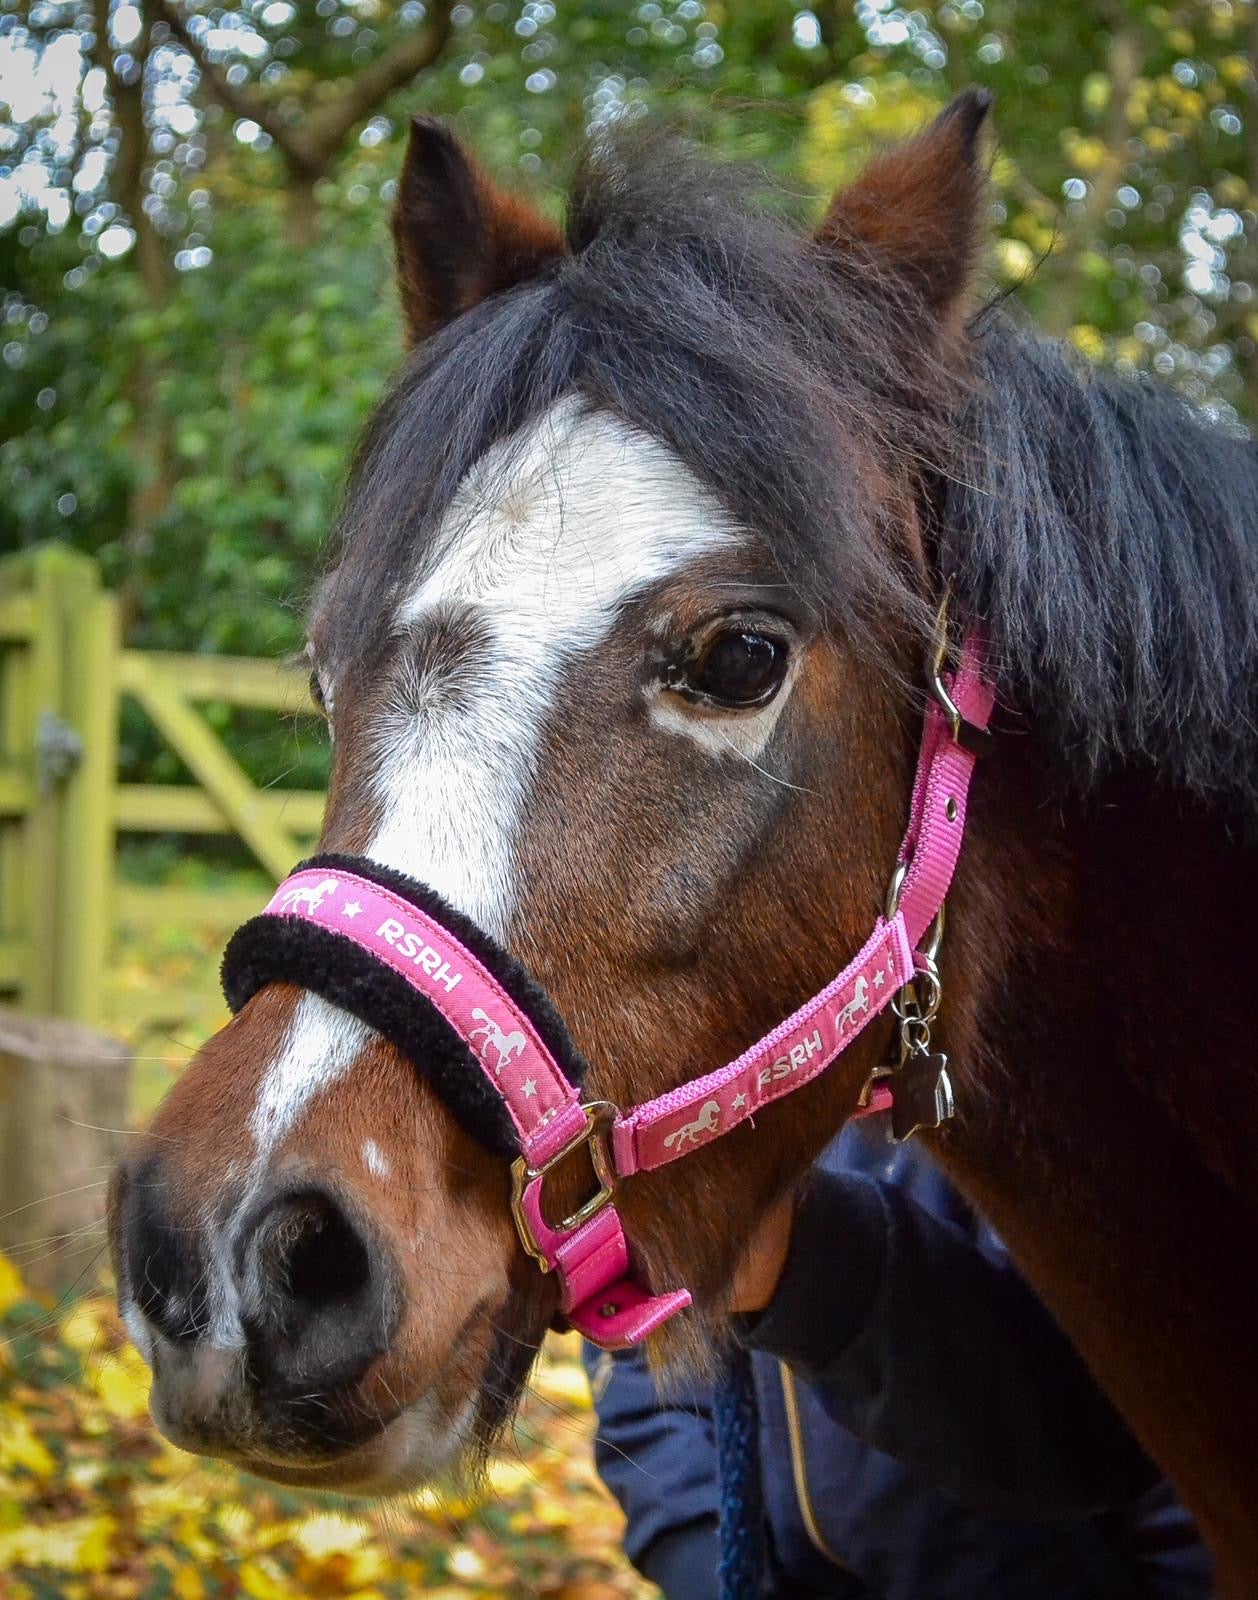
<point>549,535</point>
<point>322,1044</point>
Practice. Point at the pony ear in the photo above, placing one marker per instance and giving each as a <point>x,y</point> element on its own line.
<point>917,210</point>
<point>457,236</point>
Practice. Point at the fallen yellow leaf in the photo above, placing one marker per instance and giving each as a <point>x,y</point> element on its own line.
<point>508,1477</point>
<point>262,1580</point>
<point>188,1584</point>
<point>12,1289</point>
<point>123,1383</point>
<point>20,1448</point>
<point>465,1563</point>
<point>83,1327</point>
<point>83,1544</point>
<point>566,1384</point>
<point>328,1535</point>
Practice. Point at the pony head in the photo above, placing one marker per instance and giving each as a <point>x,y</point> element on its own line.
<point>631,578</point>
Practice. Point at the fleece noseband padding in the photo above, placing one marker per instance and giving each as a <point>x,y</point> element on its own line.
<point>271,949</point>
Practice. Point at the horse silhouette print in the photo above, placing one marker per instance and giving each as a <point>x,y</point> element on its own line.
<point>689,1133</point>
<point>846,1015</point>
<point>506,1045</point>
<point>309,897</point>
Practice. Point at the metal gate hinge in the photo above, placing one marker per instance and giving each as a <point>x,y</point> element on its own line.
<point>58,751</point>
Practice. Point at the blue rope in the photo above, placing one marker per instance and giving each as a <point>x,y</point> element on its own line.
<point>742,1565</point>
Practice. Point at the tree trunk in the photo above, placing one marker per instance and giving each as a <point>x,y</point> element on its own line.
<point>1125,60</point>
<point>1249,363</point>
<point>152,448</point>
<point>311,144</point>
<point>301,208</point>
<point>64,1104</point>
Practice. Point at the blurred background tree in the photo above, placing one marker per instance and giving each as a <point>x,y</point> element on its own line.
<point>193,204</point>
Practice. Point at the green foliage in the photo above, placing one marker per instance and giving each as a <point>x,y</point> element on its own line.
<point>184,408</point>
<point>263,366</point>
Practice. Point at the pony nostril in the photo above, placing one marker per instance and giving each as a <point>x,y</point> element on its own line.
<point>318,1294</point>
<point>315,1256</point>
<point>163,1268</point>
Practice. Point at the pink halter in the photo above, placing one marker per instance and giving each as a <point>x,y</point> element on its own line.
<point>599,1292</point>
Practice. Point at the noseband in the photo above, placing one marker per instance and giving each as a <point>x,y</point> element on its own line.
<point>469,1016</point>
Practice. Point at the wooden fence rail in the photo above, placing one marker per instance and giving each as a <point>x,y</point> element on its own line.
<point>63,678</point>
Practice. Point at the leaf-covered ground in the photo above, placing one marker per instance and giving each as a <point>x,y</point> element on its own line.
<point>95,1505</point>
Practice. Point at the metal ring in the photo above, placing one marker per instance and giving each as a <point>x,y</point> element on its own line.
<point>930,1010</point>
<point>934,935</point>
<point>906,1003</point>
<point>894,890</point>
<point>904,997</point>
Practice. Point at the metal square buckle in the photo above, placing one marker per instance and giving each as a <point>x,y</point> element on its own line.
<point>600,1116</point>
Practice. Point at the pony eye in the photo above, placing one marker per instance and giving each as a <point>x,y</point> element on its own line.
<point>738,668</point>
<point>316,691</point>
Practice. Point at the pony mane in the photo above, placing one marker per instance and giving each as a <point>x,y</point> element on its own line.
<point>1108,538</point>
<point>1108,535</point>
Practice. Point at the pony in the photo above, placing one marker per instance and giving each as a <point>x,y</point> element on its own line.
<point>620,648</point>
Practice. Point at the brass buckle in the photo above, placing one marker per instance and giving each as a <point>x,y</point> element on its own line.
<point>600,1115</point>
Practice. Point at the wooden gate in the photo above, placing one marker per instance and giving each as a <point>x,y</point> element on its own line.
<point>63,678</point>
<point>58,749</point>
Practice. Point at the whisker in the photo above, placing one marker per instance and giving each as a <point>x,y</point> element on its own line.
<point>799,788</point>
<point>46,1199</point>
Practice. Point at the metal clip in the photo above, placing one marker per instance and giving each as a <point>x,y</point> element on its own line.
<point>936,661</point>
<point>921,1089</point>
<point>895,889</point>
<point>972,739</point>
<point>58,751</point>
<point>913,1012</point>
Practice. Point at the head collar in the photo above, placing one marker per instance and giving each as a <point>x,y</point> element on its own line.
<point>389,950</point>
